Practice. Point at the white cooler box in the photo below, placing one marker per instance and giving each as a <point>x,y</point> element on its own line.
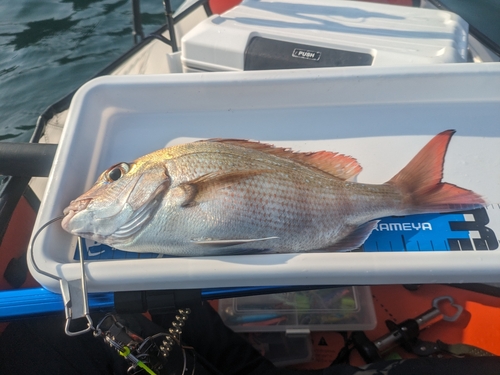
<point>260,35</point>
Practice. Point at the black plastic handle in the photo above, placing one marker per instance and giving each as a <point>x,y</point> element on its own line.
<point>26,159</point>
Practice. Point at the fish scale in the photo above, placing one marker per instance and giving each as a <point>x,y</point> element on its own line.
<point>234,196</point>
<point>269,205</point>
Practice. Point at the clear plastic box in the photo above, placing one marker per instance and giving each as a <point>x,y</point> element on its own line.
<point>331,309</point>
<point>281,349</point>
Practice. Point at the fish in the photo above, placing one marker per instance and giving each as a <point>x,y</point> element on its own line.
<point>233,196</point>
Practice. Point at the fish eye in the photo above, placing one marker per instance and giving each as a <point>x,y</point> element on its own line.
<point>116,172</point>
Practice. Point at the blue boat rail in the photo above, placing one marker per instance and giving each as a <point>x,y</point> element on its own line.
<point>26,303</point>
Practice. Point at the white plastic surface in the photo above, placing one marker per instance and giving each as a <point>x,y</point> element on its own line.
<point>393,35</point>
<point>381,116</point>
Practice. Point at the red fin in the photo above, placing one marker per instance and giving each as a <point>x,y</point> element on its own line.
<point>338,165</point>
<point>420,181</point>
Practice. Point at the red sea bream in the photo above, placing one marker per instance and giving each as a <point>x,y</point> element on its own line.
<point>227,196</point>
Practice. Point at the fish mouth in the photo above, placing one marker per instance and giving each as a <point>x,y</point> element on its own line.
<point>74,207</point>
<point>121,235</point>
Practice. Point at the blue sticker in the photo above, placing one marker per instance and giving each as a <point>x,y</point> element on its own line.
<point>97,251</point>
<point>457,231</point>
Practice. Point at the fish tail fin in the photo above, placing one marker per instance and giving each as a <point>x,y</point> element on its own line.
<point>421,186</point>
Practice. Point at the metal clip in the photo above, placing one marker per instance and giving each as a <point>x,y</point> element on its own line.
<point>448,318</point>
<point>74,293</point>
<point>436,313</point>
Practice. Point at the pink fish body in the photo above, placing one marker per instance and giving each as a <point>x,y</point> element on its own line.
<point>233,196</point>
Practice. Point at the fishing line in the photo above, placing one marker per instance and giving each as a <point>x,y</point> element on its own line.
<point>30,250</point>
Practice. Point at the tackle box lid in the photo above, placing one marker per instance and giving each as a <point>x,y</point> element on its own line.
<point>382,116</point>
<point>279,34</point>
<point>347,308</point>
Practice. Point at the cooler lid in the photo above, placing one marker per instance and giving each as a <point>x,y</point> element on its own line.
<point>308,31</point>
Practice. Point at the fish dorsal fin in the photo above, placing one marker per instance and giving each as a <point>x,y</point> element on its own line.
<point>338,165</point>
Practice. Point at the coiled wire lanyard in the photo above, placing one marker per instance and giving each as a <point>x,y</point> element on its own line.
<point>74,292</point>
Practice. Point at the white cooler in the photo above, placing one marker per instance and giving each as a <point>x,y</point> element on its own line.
<point>283,34</point>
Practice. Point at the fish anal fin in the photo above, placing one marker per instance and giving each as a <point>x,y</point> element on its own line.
<point>216,243</point>
<point>354,239</point>
<point>338,165</point>
<point>206,187</point>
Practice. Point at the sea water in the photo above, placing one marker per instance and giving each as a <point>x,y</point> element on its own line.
<point>49,48</point>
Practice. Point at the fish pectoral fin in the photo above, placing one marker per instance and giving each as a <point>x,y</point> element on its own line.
<point>354,239</point>
<point>211,242</point>
<point>206,187</point>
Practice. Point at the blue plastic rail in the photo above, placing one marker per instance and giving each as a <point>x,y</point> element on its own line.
<point>23,303</point>
<point>38,301</point>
